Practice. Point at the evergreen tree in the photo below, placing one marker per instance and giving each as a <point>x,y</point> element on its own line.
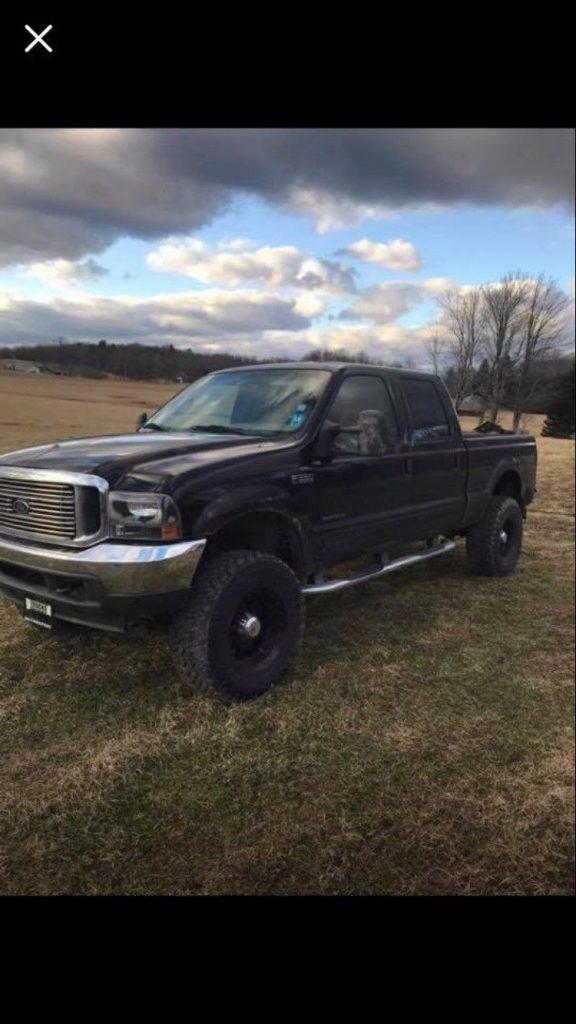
<point>560,419</point>
<point>450,378</point>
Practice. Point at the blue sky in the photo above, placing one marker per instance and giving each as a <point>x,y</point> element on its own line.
<point>468,245</point>
<point>111,249</point>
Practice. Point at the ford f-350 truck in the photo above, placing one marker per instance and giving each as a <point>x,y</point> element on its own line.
<point>234,500</point>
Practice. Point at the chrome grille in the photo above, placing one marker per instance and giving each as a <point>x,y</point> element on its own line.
<point>37,508</point>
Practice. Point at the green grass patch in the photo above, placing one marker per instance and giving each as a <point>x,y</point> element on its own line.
<point>423,746</point>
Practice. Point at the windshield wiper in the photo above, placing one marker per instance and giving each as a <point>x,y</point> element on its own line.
<point>218,428</point>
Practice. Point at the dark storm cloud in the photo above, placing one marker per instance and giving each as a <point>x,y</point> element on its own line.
<point>65,193</point>
<point>395,167</point>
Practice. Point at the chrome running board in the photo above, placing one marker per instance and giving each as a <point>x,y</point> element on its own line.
<point>331,586</point>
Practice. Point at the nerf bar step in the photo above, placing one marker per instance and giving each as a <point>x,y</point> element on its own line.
<point>331,586</point>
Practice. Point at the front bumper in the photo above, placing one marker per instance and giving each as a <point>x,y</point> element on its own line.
<point>106,586</point>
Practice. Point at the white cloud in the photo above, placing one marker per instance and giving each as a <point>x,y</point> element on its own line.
<point>250,323</point>
<point>61,273</point>
<point>385,302</point>
<point>438,285</point>
<point>187,318</point>
<point>332,212</point>
<point>254,323</point>
<point>394,255</point>
<point>234,264</point>
<point>238,243</point>
<point>388,343</point>
<point>309,305</point>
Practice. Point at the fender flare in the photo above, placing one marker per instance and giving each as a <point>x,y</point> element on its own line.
<point>252,501</point>
<point>508,464</point>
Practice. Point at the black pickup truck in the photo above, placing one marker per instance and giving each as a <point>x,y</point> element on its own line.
<point>231,503</point>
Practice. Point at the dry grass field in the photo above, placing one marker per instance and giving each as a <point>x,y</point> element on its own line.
<point>424,746</point>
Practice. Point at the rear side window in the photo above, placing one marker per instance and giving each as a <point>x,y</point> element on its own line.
<point>427,413</point>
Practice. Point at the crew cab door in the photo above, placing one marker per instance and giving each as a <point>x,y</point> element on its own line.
<point>436,456</point>
<point>359,494</point>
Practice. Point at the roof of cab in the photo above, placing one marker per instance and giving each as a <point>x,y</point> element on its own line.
<point>331,367</point>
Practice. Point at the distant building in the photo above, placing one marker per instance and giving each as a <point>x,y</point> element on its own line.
<point>472,405</point>
<point>20,366</point>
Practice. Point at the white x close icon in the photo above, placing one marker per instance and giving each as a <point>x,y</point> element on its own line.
<point>38,38</point>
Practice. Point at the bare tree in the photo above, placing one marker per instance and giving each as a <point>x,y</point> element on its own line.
<point>463,323</point>
<point>542,331</point>
<point>436,349</point>
<point>503,304</point>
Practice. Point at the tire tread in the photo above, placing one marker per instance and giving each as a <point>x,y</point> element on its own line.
<point>190,628</point>
<point>483,539</point>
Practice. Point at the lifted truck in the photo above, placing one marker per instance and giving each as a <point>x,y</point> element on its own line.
<point>228,505</point>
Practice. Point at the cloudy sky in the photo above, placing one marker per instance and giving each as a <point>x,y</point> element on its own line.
<point>271,242</point>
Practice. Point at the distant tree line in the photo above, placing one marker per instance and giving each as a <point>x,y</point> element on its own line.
<point>141,362</point>
<point>150,362</point>
<point>343,355</point>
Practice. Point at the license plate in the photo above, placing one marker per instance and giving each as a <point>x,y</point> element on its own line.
<point>38,612</point>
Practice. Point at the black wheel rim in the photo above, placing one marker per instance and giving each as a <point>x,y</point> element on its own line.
<point>256,628</point>
<point>508,536</point>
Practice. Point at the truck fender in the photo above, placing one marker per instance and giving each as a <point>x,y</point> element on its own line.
<point>508,464</point>
<point>231,504</point>
<point>243,502</point>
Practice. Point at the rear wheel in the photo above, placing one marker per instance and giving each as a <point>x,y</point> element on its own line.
<point>494,544</point>
<point>242,628</point>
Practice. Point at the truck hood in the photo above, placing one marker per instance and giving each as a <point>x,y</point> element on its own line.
<point>146,457</point>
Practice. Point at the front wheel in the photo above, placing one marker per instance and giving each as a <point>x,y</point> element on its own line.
<point>493,545</point>
<point>242,628</point>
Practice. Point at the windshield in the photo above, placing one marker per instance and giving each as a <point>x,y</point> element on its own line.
<point>260,402</point>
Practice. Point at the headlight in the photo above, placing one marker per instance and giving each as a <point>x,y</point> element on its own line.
<point>143,516</point>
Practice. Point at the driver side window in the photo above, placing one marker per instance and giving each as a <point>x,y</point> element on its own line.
<point>363,410</point>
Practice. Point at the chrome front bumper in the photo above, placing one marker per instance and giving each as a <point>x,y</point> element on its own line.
<point>123,570</point>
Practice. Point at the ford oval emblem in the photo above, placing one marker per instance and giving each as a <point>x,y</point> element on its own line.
<point>20,507</point>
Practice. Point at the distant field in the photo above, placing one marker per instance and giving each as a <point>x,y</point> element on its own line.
<point>424,746</point>
<point>35,408</point>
